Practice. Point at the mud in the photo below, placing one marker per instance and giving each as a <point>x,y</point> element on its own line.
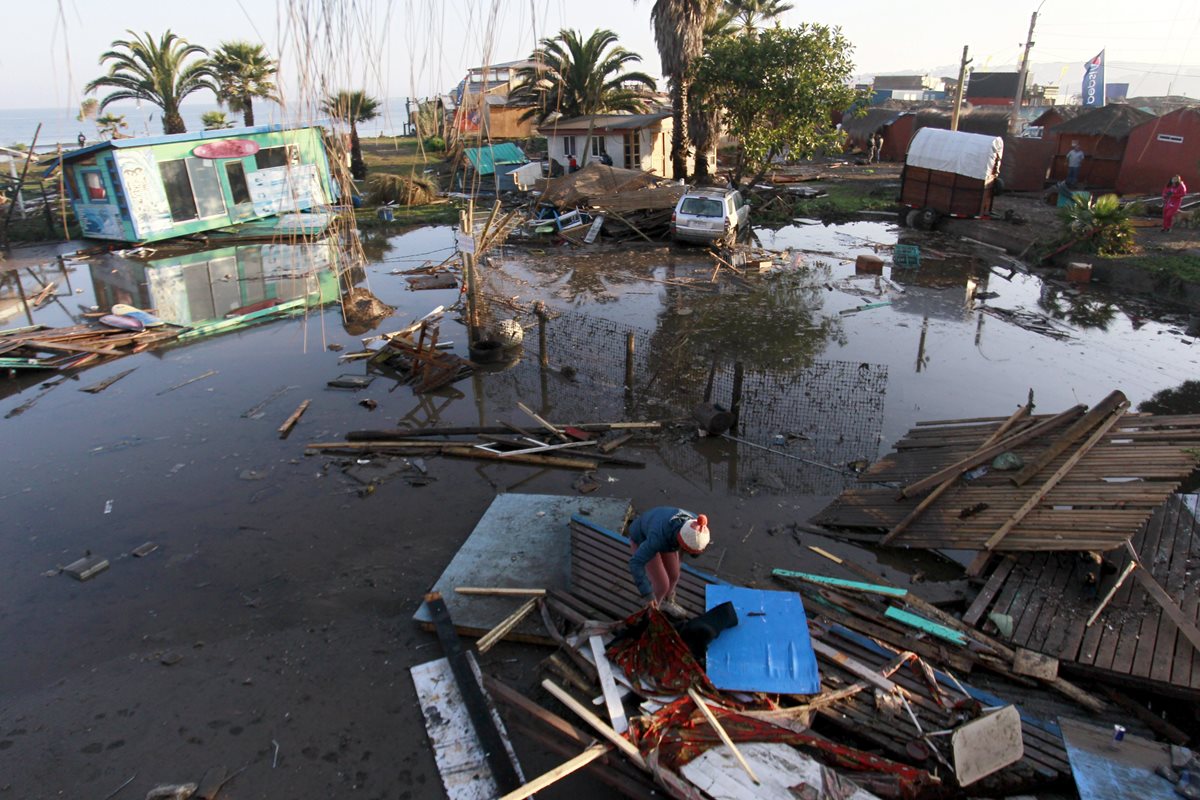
<point>277,606</point>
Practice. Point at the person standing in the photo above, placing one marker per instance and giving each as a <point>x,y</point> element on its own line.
<point>1075,158</point>
<point>82,139</point>
<point>1172,195</point>
<point>657,536</point>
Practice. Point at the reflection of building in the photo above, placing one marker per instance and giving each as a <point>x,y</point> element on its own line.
<point>213,284</point>
<point>159,187</point>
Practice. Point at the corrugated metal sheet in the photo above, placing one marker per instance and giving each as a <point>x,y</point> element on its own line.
<point>485,159</point>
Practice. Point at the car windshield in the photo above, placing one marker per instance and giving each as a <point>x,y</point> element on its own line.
<point>701,207</point>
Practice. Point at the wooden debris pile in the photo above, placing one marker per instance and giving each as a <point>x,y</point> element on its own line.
<point>42,347</point>
<point>414,353</point>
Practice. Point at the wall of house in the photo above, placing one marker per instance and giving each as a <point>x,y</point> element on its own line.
<point>161,190</point>
<point>506,123</point>
<point>654,144</point>
<point>1026,163</point>
<point>1154,153</point>
<point>1101,163</point>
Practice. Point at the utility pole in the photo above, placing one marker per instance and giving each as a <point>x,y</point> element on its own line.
<point>1013,120</point>
<point>958,90</point>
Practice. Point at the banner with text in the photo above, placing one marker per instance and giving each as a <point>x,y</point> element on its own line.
<point>1093,82</point>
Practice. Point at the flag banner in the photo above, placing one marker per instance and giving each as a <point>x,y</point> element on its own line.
<point>1093,82</point>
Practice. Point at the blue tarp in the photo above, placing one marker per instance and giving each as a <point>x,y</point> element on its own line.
<point>769,649</point>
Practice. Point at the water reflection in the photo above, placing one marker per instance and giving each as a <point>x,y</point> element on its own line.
<point>1083,310</point>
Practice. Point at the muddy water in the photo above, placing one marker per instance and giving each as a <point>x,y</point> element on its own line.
<point>277,606</point>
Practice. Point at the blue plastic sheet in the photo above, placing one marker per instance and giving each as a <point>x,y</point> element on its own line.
<point>769,649</point>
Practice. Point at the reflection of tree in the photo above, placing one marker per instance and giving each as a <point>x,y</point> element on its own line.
<point>1078,309</point>
<point>1182,399</point>
<point>375,244</point>
<point>590,278</point>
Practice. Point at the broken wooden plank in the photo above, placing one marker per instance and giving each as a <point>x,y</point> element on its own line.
<point>721,732</point>
<point>986,454</point>
<point>293,418</point>
<point>181,384</point>
<point>504,771</point>
<point>1054,479</point>
<point>840,583</point>
<point>499,591</point>
<point>601,727</point>
<point>100,386</point>
<point>989,592</point>
<point>489,639</point>
<point>1186,626</point>
<point>86,567</point>
<point>541,421</point>
<point>612,697</point>
<point>1108,596</point>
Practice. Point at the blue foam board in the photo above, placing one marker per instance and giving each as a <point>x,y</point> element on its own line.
<point>769,649</point>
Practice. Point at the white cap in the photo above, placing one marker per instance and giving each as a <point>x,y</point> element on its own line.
<point>693,534</point>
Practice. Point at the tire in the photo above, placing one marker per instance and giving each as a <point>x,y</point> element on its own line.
<point>486,351</point>
<point>926,219</point>
<point>912,217</point>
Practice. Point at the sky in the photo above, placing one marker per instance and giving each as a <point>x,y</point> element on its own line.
<point>399,48</point>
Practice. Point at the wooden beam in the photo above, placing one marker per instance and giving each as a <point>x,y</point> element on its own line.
<point>293,418</point>
<point>716,724</point>
<point>1081,426</point>
<point>929,499</point>
<point>986,454</point>
<point>1043,490</point>
<point>503,771</point>
<point>1108,596</point>
<point>500,591</point>
<point>601,727</point>
<point>489,639</point>
<point>612,697</point>
<point>541,421</point>
<point>552,777</point>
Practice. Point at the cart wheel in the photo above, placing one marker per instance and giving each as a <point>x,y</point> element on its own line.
<point>912,217</point>
<point>926,219</point>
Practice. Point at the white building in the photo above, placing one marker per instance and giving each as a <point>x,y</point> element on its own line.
<point>632,141</point>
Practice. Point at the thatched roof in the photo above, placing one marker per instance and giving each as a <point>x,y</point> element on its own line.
<point>1115,120</point>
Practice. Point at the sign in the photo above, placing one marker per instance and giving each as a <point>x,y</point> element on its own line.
<point>1093,82</point>
<point>1170,137</point>
<point>226,148</point>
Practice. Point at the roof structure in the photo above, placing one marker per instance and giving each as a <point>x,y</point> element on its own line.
<point>594,180</point>
<point>899,82</point>
<point>991,84</point>
<point>485,159</point>
<point>874,119</point>
<point>603,123</point>
<point>190,136</point>
<point>1115,120</point>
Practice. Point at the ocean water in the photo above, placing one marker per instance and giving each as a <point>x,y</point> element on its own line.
<point>60,126</point>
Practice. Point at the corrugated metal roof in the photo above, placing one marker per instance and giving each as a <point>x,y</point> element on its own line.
<point>485,159</point>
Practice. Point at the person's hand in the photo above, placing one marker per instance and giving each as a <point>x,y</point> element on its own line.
<point>652,602</point>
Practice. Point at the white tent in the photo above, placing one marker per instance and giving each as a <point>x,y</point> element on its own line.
<point>969,154</point>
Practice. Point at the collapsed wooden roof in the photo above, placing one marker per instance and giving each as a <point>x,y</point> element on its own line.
<point>1090,481</point>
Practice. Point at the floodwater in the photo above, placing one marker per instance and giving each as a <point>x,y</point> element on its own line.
<point>272,627</point>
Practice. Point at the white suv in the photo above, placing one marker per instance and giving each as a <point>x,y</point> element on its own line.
<point>705,215</point>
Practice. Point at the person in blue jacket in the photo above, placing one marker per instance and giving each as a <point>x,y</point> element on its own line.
<point>658,535</point>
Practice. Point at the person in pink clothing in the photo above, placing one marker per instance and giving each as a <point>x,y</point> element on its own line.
<point>1172,195</point>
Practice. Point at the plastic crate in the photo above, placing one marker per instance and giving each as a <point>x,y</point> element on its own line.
<point>907,256</point>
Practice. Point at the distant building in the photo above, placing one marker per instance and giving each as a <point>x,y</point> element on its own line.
<point>1159,148</point>
<point>1102,134</point>
<point>905,83</point>
<point>991,88</point>
<point>478,106</point>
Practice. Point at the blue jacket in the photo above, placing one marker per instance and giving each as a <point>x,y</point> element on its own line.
<point>654,531</point>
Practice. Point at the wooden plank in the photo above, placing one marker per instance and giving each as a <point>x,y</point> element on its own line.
<point>1082,426</point>
<point>1180,586</point>
<point>1046,599</point>
<point>1146,541</point>
<point>293,418</point>
<point>1053,480</point>
<point>1169,606</point>
<point>612,698</point>
<point>722,733</point>
<point>1057,610</point>
<point>621,743</point>
<point>504,771</point>
<point>1167,636</point>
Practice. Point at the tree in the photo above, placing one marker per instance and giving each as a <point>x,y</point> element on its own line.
<point>215,120</point>
<point>777,90</point>
<point>158,72</point>
<point>109,125</point>
<point>353,108</point>
<point>88,109</point>
<point>751,14</point>
<point>704,123</point>
<point>679,34</point>
<point>577,77</point>
<point>243,71</point>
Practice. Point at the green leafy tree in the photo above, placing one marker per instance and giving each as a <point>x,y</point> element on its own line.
<point>1101,226</point>
<point>704,122</point>
<point>243,71</point>
<point>679,34</point>
<point>161,73</point>
<point>777,90</point>
<point>215,120</point>
<point>752,15</point>
<point>109,125</point>
<point>577,77</point>
<point>353,108</point>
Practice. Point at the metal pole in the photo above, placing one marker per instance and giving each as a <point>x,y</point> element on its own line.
<point>958,90</point>
<point>1015,117</point>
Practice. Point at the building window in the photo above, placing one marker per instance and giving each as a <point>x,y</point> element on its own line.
<point>193,190</point>
<point>179,190</point>
<point>633,150</point>
<point>598,146</point>
<point>235,173</point>
<point>284,156</point>
<point>569,146</point>
<point>93,182</point>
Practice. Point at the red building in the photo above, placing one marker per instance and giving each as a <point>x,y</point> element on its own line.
<point>1162,147</point>
<point>1102,134</point>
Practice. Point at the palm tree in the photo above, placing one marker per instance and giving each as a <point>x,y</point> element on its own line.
<point>704,123</point>
<point>109,126</point>
<point>353,108</point>
<point>752,14</point>
<point>577,77</point>
<point>157,72</point>
<point>679,33</point>
<point>215,120</point>
<point>243,72</point>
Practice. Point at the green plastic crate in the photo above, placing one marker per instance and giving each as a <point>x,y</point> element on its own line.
<point>907,256</point>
